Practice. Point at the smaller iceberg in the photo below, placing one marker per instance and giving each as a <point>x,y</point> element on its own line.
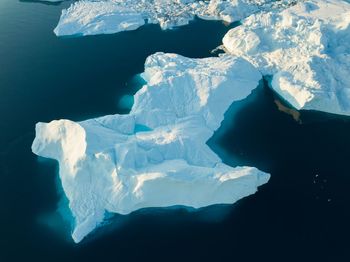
<point>89,18</point>
<point>155,156</point>
<point>306,50</point>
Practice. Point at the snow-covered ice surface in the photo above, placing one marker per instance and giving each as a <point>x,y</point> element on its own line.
<point>155,156</point>
<point>90,17</point>
<point>306,48</point>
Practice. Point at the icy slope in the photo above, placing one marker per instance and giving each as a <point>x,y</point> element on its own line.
<point>155,156</point>
<point>90,17</point>
<point>306,48</point>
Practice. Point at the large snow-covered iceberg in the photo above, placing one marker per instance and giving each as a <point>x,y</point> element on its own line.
<point>155,156</point>
<point>306,50</point>
<point>90,17</point>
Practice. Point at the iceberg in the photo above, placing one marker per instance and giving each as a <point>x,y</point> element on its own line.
<point>306,50</point>
<point>91,17</point>
<point>155,156</point>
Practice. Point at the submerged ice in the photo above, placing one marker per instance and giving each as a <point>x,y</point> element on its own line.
<point>155,156</point>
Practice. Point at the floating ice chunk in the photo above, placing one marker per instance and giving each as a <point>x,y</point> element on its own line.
<point>155,156</point>
<point>306,48</point>
<point>89,18</point>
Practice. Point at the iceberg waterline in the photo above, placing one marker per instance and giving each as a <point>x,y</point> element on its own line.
<point>155,156</point>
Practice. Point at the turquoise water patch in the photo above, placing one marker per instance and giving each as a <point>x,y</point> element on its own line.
<point>126,102</point>
<point>142,128</point>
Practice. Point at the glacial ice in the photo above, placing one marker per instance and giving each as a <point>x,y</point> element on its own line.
<point>90,17</point>
<point>155,156</point>
<point>306,50</point>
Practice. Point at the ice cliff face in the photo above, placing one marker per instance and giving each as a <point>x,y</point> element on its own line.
<point>155,156</point>
<point>105,17</point>
<point>306,48</point>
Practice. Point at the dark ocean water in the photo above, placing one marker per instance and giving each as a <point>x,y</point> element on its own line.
<point>302,214</point>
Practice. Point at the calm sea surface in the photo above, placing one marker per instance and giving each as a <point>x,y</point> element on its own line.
<point>302,214</point>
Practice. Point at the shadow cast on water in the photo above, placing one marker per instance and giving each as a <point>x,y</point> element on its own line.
<point>115,224</point>
<point>268,125</point>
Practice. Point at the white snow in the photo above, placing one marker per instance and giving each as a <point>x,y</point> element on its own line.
<point>306,48</point>
<point>155,156</point>
<point>89,17</point>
